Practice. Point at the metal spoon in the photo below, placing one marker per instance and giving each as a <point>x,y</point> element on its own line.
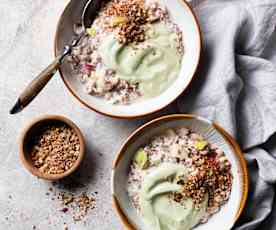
<point>32,90</point>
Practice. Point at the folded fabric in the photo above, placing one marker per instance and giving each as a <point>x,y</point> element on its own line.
<point>236,87</point>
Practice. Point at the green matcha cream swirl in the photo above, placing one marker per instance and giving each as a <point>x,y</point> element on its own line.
<point>158,210</point>
<point>154,64</point>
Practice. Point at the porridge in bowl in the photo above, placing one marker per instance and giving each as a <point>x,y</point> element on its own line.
<point>133,51</point>
<point>178,180</point>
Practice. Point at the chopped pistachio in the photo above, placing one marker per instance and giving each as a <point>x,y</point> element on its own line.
<point>141,159</point>
<point>91,31</point>
<point>201,144</point>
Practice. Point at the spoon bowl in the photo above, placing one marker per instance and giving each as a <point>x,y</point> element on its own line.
<point>90,12</point>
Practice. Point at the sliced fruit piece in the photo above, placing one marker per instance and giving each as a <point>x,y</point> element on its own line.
<point>200,145</point>
<point>91,31</point>
<point>141,159</point>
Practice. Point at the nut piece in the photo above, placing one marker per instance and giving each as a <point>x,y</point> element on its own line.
<point>141,159</point>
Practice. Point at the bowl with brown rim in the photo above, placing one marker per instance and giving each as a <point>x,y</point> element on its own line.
<point>33,129</point>
<point>212,133</point>
<point>182,14</point>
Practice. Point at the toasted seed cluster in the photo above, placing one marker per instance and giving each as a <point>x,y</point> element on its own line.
<point>77,206</point>
<point>132,15</point>
<point>55,149</point>
<point>84,204</point>
<point>211,179</point>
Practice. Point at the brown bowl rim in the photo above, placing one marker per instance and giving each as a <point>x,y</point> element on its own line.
<point>71,90</point>
<point>30,167</point>
<point>135,134</point>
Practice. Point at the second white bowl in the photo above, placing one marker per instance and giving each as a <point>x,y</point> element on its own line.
<point>214,134</point>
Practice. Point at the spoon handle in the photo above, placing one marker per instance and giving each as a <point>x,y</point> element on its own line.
<point>36,85</point>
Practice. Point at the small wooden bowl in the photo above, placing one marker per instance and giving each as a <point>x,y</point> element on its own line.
<point>31,130</point>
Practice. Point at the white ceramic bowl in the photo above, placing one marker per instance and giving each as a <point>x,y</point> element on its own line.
<point>226,217</point>
<point>182,14</point>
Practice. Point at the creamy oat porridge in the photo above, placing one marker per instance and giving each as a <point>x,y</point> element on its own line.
<point>132,51</point>
<point>178,180</point>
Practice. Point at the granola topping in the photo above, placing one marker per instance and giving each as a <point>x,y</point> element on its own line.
<point>129,18</point>
<point>55,149</point>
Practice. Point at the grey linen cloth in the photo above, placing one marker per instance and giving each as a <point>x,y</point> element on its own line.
<point>236,87</point>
